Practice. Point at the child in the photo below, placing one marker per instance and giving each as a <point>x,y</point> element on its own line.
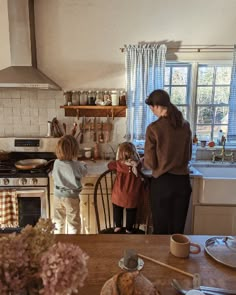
<point>127,187</point>
<point>67,173</point>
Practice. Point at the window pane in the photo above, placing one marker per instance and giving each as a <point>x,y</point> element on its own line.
<point>204,115</point>
<point>204,95</point>
<point>221,115</point>
<point>203,132</point>
<point>179,75</point>
<point>178,95</point>
<point>183,111</point>
<point>223,75</point>
<point>205,75</point>
<point>216,132</point>
<point>167,89</point>
<point>167,75</point>
<point>221,95</point>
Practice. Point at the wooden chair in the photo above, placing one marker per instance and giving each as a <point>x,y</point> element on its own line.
<point>103,206</point>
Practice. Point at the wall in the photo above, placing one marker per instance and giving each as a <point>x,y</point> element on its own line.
<point>4,36</point>
<point>78,46</point>
<point>25,113</point>
<point>79,41</point>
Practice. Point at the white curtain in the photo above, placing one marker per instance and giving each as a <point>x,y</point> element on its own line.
<point>232,102</point>
<point>145,68</point>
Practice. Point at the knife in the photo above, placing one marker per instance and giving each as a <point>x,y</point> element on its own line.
<point>82,130</point>
<point>94,130</point>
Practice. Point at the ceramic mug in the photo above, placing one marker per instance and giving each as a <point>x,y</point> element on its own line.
<point>180,246</point>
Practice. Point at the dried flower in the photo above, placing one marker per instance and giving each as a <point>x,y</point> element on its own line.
<point>64,269</point>
<point>31,260</point>
<point>14,265</point>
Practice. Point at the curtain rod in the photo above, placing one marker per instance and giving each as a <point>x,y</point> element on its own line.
<point>199,48</point>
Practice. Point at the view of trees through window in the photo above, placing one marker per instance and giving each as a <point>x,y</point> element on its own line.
<point>207,95</point>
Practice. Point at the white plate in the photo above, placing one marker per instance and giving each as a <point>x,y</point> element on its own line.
<point>194,292</point>
<point>222,249</point>
<point>139,266</point>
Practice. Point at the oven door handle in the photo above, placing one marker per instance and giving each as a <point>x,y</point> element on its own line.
<point>35,191</point>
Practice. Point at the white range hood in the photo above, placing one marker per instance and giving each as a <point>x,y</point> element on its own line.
<point>22,71</point>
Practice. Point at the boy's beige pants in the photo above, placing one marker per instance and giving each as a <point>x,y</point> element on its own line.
<point>67,215</point>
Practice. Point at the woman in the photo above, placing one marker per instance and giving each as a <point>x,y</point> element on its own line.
<point>168,150</point>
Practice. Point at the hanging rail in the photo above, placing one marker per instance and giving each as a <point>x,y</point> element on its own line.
<point>198,48</point>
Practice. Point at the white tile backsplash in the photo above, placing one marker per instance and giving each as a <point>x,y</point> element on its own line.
<point>25,114</point>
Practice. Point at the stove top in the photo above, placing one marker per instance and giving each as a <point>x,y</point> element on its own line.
<point>8,169</point>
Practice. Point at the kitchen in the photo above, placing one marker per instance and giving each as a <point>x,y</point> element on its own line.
<point>78,47</point>
<point>82,59</point>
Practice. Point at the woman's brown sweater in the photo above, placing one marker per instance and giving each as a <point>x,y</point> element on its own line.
<point>167,149</point>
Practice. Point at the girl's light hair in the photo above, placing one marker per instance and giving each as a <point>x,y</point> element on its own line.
<point>67,148</point>
<point>127,151</point>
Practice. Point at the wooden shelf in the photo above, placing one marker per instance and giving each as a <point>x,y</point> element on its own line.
<point>95,111</point>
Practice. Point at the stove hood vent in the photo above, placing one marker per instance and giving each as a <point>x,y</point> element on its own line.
<point>22,71</point>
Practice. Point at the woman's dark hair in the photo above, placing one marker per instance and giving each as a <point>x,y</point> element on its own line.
<point>160,97</point>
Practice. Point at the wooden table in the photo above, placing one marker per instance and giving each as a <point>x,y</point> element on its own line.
<point>105,252</point>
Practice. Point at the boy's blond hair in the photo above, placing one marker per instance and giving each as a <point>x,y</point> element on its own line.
<point>127,151</point>
<point>67,148</point>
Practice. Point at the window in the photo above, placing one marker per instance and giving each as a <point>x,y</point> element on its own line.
<point>212,100</point>
<point>207,95</point>
<point>177,84</point>
<point>201,92</point>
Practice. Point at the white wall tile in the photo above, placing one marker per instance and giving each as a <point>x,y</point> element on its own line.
<point>25,102</point>
<point>26,112</point>
<point>17,120</point>
<point>16,94</point>
<point>16,102</point>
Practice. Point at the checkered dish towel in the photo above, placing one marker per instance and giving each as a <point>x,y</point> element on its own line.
<point>8,208</point>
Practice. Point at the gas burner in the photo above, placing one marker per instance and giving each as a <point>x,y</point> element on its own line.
<point>7,171</point>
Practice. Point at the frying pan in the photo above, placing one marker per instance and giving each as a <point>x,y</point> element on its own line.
<point>28,164</point>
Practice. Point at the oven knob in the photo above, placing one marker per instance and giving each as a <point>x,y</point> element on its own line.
<point>34,181</point>
<point>5,181</point>
<point>23,181</point>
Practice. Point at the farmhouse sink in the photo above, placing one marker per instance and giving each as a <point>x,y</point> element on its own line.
<point>218,185</point>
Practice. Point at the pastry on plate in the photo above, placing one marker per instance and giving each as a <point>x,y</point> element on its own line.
<point>129,283</point>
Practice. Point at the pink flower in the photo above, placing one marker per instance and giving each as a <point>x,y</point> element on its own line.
<point>32,261</point>
<point>14,265</point>
<point>63,269</point>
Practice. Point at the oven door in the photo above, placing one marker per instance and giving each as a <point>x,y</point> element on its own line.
<point>21,206</point>
<point>33,200</point>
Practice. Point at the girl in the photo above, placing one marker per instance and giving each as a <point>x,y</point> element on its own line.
<point>128,186</point>
<point>67,173</point>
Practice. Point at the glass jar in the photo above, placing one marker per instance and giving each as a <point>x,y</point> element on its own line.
<point>83,100</point>
<point>122,98</point>
<point>106,96</point>
<point>87,152</point>
<point>67,98</point>
<point>75,98</point>
<point>114,98</point>
<point>91,98</point>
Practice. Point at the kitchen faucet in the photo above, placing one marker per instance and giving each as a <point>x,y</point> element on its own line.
<point>223,154</point>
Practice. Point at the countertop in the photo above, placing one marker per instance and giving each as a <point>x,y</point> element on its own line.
<point>97,167</point>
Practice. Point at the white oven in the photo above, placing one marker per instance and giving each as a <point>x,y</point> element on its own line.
<point>37,196</point>
<point>26,188</point>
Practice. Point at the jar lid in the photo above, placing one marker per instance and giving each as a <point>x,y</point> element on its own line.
<point>87,149</point>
